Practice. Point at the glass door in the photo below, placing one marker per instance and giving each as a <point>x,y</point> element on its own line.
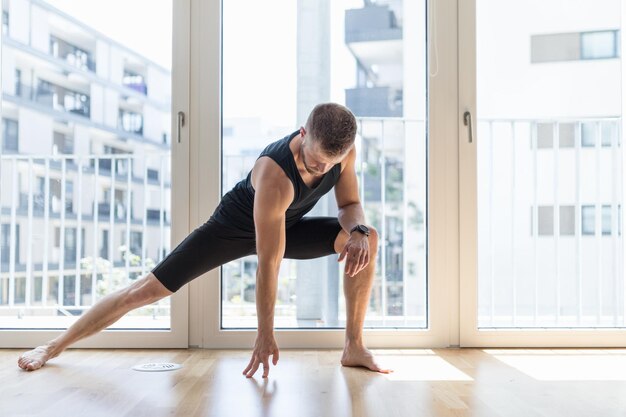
<point>353,53</point>
<point>277,60</point>
<point>540,122</point>
<point>90,162</point>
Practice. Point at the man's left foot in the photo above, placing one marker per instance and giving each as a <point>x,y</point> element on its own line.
<point>361,356</point>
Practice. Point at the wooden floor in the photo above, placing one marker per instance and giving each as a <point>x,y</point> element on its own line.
<point>438,382</point>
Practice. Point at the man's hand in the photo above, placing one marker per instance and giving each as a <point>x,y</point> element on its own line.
<point>356,252</point>
<point>264,346</point>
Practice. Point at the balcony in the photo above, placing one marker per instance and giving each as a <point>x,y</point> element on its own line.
<point>135,82</point>
<point>371,24</point>
<point>130,122</point>
<point>104,210</point>
<point>72,54</point>
<point>375,102</point>
<point>56,97</point>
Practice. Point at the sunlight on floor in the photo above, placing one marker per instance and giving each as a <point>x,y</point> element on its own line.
<point>418,365</point>
<point>566,364</point>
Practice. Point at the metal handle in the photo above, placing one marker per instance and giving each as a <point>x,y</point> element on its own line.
<point>180,124</point>
<point>467,121</point>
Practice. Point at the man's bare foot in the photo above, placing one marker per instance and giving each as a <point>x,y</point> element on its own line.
<point>359,355</point>
<point>36,358</point>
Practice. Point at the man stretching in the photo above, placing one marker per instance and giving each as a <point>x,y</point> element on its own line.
<point>264,215</point>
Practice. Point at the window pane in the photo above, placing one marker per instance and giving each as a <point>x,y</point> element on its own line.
<point>350,52</point>
<point>549,144</point>
<point>606,220</point>
<point>588,220</point>
<point>63,208</point>
<point>598,45</point>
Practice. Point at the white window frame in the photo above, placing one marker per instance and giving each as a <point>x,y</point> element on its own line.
<point>177,335</point>
<point>205,165</point>
<point>470,335</point>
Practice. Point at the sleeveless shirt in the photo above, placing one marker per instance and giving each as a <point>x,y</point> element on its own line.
<point>236,207</point>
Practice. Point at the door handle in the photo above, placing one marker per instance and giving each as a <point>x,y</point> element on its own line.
<point>467,121</point>
<point>180,124</point>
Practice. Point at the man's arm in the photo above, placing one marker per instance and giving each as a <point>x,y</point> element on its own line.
<point>347,195</point>
<point>356,250</point>
<point>273,194</point>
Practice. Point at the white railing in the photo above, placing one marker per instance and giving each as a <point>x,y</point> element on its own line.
<point>554,275</point>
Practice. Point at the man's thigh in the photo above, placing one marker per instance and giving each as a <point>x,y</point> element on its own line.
<point>207,247</point>
<point>312,237</point>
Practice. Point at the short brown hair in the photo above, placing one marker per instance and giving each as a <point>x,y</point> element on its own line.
<point>333,126</point>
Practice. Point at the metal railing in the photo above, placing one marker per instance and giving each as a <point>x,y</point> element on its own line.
<point>558,166</point>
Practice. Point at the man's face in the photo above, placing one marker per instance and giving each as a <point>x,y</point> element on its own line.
<point>315,161</point>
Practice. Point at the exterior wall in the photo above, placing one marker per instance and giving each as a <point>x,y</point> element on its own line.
<point>19,11</point>
<point>40,31</point>
<point>152,128</point>
<point>510,86</point>
<point>33,124</point>
<point>98,103</point>
<point>8,70</point>
<point>103,53</point>
<point>111,108</point>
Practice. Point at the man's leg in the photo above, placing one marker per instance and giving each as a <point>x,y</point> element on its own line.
<point>357,290</point>
<point>207,247</point>
<point>104,313</point>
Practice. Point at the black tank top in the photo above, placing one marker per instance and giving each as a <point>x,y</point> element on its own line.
<point>236,207</point>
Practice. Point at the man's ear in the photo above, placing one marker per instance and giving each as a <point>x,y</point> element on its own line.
<point>302,131</point>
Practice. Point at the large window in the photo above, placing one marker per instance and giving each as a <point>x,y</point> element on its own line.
<point>9,135</point>
<point>78,194</point>
<point>549,143</point>
<point>369,56</point>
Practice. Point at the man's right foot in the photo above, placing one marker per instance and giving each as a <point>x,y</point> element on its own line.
<point>36,358</point>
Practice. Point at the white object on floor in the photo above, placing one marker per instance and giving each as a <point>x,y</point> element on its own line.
<point>157,367</point>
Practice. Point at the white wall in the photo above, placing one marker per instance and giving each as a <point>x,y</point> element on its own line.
<point>35,132</point>
<point>19,20</point>
<point>116,65</point>
<point>152,123</point>
<point>40,29</point>
<point>81,140</point>
<point>97,103</point>
<point>159,85</point>
<point>8,70</point>
<point>102,54</point>
<point>111,108</point>
<point>510,86</point>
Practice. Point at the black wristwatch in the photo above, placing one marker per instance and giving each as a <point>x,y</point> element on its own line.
<point>361,228</point>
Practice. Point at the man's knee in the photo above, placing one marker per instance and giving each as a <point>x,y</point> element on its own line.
<point>373,239</point>
<point>145,291</point>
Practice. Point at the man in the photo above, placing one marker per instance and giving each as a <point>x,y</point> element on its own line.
<point>264,214</point>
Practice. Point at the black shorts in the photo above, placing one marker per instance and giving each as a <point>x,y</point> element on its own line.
<point>214,244</point>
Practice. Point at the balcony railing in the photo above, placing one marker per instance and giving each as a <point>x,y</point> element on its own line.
<point>375,101</point>
<point>40,275</point>
<point>72,54</point>
<point>56,97</point>
<point>543,259</point>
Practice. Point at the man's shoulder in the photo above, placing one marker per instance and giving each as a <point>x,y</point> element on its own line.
<point>267,171</point>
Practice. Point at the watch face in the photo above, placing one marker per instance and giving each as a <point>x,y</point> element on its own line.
<point>364,229</point>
